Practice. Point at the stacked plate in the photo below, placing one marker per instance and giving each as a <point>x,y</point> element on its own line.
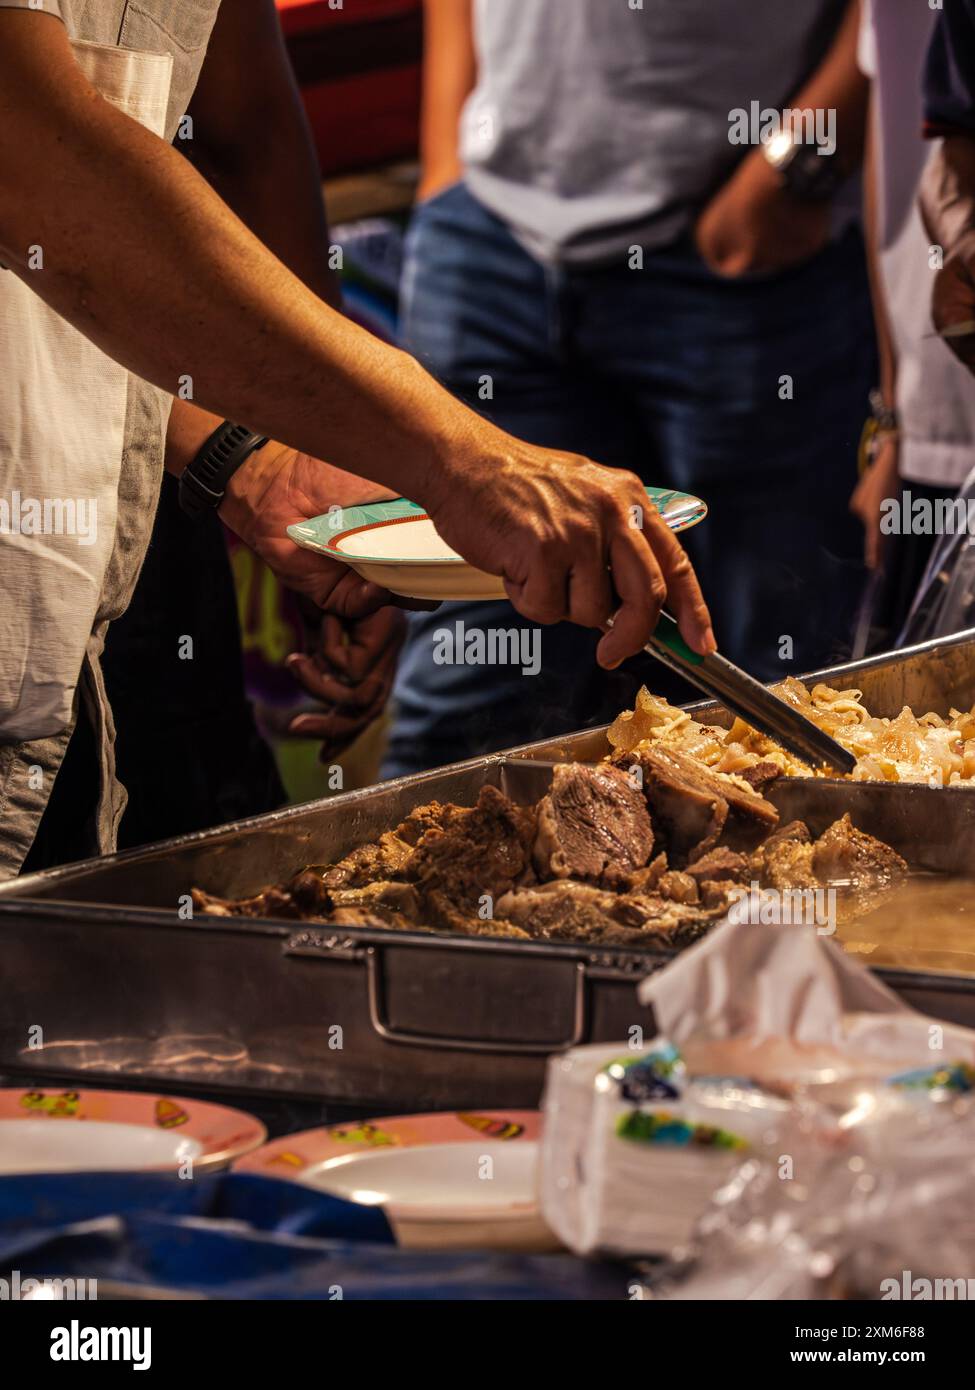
<point>633,1150</point>
<point>465,1180</point>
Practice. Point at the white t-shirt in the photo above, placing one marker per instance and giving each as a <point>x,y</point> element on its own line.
<point>935,393</point>
<point>596,124</point>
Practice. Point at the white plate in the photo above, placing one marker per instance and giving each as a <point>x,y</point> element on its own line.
<point>446,1182</point>
<point>394,544</point>
<point>40,1146</point>
<point>53,1131</point>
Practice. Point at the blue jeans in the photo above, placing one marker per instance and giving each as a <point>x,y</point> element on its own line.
<point>674,373</point>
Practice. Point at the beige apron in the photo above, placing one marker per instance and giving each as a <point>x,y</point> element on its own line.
<point>81,451</point>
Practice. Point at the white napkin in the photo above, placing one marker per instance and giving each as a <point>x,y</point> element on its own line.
<point>780,1005</point>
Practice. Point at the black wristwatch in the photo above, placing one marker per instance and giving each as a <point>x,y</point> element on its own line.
<point>803,169</point>
<point>203,483</point>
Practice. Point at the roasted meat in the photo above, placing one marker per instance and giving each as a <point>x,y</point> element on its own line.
<point>678,887</point>
<point>570,911</point>
<point>390,855</point>
<point>384,859</point>
<point>761,775</point>
<point>578,867</point>
<point>693,807</point>
<point>270,902</point>
<point>372,915</point>
<point>720,864</point>
<point>478,856</point>
<point>547,907</point>
<point>593,825</point>
<point>859,866</point>
<point>441,913</point>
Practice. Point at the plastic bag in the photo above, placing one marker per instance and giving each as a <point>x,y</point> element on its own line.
<point>876,1206</point>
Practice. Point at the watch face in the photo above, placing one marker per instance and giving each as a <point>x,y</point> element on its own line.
<point>803,169</point>
<point>780,150</point>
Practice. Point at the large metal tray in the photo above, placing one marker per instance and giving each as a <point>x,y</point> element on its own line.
<point>245,856</point>
<point>99,957</point>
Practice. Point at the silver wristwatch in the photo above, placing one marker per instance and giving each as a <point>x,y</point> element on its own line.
<point>805,170</point>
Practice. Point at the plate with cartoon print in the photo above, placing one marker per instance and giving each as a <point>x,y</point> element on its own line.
<point>396,545</point>
<point>113,1131</point>
<point>445,1179</point>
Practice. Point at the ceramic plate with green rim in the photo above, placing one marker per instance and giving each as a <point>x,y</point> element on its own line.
<point>394,544</point>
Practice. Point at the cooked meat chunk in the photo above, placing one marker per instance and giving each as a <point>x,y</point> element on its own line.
<point>307,897</point>
<point>308,892</point>
<point>715,893</point>
<point>860,867</point>
<point>644,880</point>
<point>389,857</point>
<point>548,906</point>
<point>719,864</point>
<point>678,887</point>
<point>794,830</point>
<point>613,934</point>
<point>569,911</point>
<point>373,915</point>
<point>673,923</point>
<point>397,897</point>
<point>847,857</point>
<point>687,814</point>
<point>385,859</point>
<point>694,807</point>
<point>665,925</point>
<point>438,911</point>
<point>271,902</point>
<point>593,825</point>
<point>761,775</point>
<point>434,815</point>
<point>784,864</point>
<point>481,854</point>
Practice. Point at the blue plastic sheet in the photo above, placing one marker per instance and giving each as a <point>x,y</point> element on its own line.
<point>236,1235</point>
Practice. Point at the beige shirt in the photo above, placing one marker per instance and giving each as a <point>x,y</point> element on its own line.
<point>81,449</point>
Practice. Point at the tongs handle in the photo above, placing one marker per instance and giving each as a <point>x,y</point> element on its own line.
<point>747,697</point>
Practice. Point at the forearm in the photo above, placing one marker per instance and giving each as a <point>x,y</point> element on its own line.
<point>143,257</point>
<point>757,222</point>
<point>839,85</point>
<point>449,73</point>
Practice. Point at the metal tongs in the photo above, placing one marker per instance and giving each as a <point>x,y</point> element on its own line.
<point>744,695</point>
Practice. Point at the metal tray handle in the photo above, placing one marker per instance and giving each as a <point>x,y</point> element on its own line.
<point>449,1044</point>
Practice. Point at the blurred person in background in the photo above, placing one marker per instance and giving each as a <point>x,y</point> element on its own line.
<point>920,445</point>
<point>597,264</point>
<point>948,189</point>
<point>945,600</point>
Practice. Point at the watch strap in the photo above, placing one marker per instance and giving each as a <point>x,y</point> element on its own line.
<point>203,483</point>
